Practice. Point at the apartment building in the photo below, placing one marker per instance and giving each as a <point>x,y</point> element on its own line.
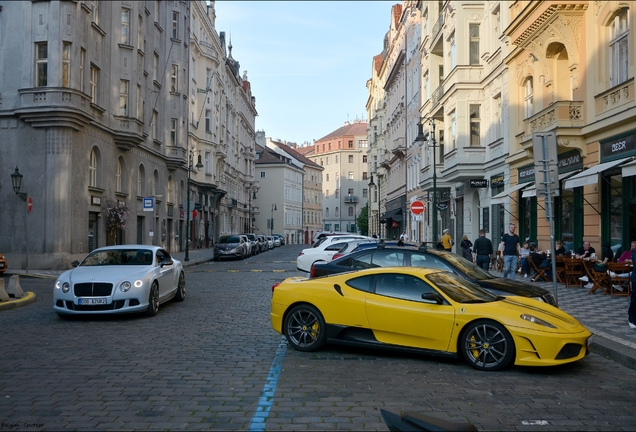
<point>100,117</point>
<point>343,155</point>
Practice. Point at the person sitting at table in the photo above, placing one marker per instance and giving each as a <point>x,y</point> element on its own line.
<point>585,251</point>
<point>559,249</point>
<point>627,255</point>
<point>541,261</point>
<point>608,256</point>
<point>524,267</point>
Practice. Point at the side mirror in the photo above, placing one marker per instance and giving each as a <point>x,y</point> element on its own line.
<point>431,297</point>
<point>166,262</point>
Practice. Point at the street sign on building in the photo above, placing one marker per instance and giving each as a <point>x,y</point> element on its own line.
<point>29,204</point>
<point>148,204</point>
<point>546,163</point>
<point>417,207</point>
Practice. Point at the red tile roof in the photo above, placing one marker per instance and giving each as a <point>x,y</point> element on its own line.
<point>355,129</point>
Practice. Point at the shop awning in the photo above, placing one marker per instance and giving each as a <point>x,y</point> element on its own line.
<point>629,169</point>
<point>532,191</point>
<point>500,198</point>
<point>396,215</point>
<point>590,176</point>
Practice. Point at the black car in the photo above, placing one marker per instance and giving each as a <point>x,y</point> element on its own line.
<point>384,256</point>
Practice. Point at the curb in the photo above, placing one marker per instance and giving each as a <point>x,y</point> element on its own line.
<point>614,351</point>
<point>12,304</point>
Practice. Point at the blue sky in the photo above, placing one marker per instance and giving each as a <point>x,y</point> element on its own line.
<point>307,61</point>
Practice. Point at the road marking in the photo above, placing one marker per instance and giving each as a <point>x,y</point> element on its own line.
<point>267,395</point>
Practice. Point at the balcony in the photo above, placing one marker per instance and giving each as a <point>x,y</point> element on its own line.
<point>616,97</point>
<point>55,107</point>
<point>128,132</point>
<point>564,115</point>
<point>437,95</point>
<point>175,157</point>
<point>351,199</point>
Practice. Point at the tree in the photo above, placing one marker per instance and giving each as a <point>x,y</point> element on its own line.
<point>116,214</point>
<point>363,220</point>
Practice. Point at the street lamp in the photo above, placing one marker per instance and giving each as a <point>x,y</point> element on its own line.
<point>372,185</point>
<point>16,182</point>
<point>198,166</point>
<point>431,141</point>
<point>271,225</point>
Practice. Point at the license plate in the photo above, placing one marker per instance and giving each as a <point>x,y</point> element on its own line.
<point>91,301</point>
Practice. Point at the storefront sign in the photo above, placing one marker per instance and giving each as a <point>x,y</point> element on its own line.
<point>497,180</point>
<point>615,147</point>
<point>568,161</point>
<point>478,183</point>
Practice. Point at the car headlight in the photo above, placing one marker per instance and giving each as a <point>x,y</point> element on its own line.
<point>535,320</point>
<point>138,283</point>
<point>64,286</point>
<point>125,286</point>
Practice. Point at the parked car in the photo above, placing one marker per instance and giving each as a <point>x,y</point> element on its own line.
<point>120,279</point>
<point>340,237</point>
<point>248,245</point>
<point>3,264</point>
<point>270,242</point>
<point>282,239</point>
<point>325,251</point>
<point>230,246</point>
<point>276,240</point>
<point>254,248</point>
<point>384,256</point>
<point>262,242</point>
<point>425,310</point>
<point>321,234</point>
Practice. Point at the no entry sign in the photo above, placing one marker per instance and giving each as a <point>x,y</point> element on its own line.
<point>29,204</point>
<point>417,207</point>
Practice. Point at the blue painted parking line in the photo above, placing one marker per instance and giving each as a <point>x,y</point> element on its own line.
<point>267,396</point>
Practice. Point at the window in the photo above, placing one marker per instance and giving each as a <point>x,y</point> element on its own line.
<point>453,129</point>
<point>156,11</point>
<point>123,97</point>
<point>207,162</point>
<point>208,78</point>
<point>153,125</point>
<point>155,67</point>
<point>327,161</point>
<point>364,158</point>
<point>208,118</point>
<point>95,12</point>
<point>350,158</point>
<point>66,64</point>
<point>327,193</point>
<point>139,105</point>
<point>427,86</point>
<point>173,132</point>
<point>365,193</point>
<point>363,144</point>
<point>350,144</point>
<point>473,48</point>
<point>474,126</point>
<point>453,52</point>
<point>81,68</point>
<point>497,115</point>
<point>327,177</point>
<point>365,175</point>
<point>94,83</point>
<point>174,77</point>
<point>619,48</point>
<point>529,98</point>
<point>92,170</point>
<point>41,64</point>
<point>336,158</point>
<point>140,33</point>
<point>350,211</point>
<point>337,192</point>
<point>118,176</point>
<point>175,25</point>
<point>350,191</point>
<point>262,174</point>
<point>125,27</point>
<point>350,175</point>
<point>337,214</point>
<point>140,181</point>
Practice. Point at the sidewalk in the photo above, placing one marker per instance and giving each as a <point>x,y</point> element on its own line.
<point>604,316</point>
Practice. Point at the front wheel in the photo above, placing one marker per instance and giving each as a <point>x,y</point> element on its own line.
<point>305,328</point>
<point>487,345</point>
<point>181,289</point>
<point>153,300</point>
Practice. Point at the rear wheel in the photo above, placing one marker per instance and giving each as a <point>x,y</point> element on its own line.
<point>305,328</point>
<point>487,345</point>
<point>153,300</point>
<point>181,289</point>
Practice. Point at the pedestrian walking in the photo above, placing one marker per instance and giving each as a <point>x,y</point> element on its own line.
<point>483,250</point>
<point>510,250</point>
<point>447,240</point>
<point>465,246</point>
<point>404,237</point>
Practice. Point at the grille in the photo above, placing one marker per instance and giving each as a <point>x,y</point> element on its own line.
<point>93,289</point>
<point>113,306</point>
<point>568,351</point>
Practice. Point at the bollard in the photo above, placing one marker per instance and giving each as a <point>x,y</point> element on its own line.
<point>3,294</point>
<point>15,290</point>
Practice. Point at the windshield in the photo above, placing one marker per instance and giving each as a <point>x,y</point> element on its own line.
<point>459,289</point>
<point>471,270</point>
<point>112,257</point>
<point>229,239</point>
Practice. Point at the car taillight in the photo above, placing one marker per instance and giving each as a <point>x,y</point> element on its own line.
<point>336,256</point>
<point>312,271</point>
<point>301,254</point>
<point>274,286</point>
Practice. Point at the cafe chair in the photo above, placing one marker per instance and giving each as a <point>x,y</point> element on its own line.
<point>573,271</point>
<point>600,280</point>
<point>560,268</point>
<point>619,286</point>
<point>539,273</point>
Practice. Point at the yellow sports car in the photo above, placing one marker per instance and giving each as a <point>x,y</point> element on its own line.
<point>431,311</point>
